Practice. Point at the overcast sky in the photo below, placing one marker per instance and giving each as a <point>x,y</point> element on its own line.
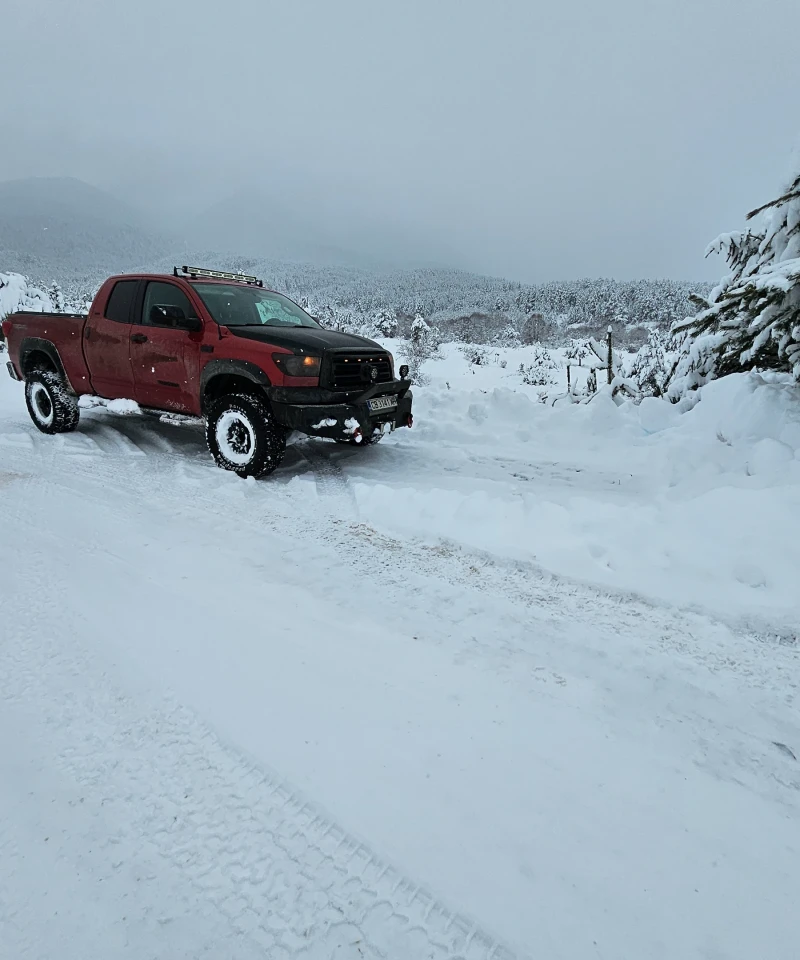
<point>531,139</point>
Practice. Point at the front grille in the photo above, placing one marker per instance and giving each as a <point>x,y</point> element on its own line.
<point>351,371</point>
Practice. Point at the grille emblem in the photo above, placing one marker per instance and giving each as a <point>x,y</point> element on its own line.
<point>349,372</point>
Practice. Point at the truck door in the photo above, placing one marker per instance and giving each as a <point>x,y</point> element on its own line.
<point>164,357</point>
<point>106,342</point>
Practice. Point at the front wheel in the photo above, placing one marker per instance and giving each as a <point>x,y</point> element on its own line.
<point>52,407</point>
<point>243,436</point>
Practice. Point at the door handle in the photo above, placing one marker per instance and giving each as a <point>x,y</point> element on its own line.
<point>138,338</point>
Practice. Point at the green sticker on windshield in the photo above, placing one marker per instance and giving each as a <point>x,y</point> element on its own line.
<point>265,310</point>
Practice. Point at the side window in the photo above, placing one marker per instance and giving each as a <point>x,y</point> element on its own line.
<point>119,303</point>
<point>163,303</point>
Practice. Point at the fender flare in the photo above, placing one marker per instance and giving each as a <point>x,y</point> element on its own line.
<point>37,345</point>
<point>238,368</point>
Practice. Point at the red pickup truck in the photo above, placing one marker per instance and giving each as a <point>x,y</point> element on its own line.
<point>215,345</point>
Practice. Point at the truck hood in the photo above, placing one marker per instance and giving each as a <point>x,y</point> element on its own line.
<point>304,339</point>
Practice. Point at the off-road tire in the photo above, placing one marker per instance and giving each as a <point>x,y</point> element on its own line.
<point>243,436</point>
<point>52,407</point>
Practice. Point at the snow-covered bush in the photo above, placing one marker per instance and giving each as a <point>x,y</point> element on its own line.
<point>751,321</point>
<point>475,355</point>
<point>539,372</point>
<point>508,337</point>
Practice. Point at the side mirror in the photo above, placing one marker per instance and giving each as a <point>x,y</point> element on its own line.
<point>192,324</point>
<point>168,315</point>
<point>403,371</point>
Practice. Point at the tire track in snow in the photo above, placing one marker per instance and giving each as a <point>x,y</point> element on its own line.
<point>331,481</point>
<point>279,873</point>
<point>547,629</point>
<point>375,556</point>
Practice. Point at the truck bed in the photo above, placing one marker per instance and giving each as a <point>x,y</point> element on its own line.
<point>25,331</point>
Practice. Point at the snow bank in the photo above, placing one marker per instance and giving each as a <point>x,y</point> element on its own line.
<point>693,508</point>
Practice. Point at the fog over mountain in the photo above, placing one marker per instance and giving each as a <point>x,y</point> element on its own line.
<point>64,231</point>
<point>517,139</point>
<point>61,226</point>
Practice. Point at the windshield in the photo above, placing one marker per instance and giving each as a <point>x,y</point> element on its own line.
<point>237,305</point>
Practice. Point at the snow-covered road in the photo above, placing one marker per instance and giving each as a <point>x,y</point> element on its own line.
<point>238,721</point>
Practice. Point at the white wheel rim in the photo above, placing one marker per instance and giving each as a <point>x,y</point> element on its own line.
<point>42,404</point>
<point>235,437</point>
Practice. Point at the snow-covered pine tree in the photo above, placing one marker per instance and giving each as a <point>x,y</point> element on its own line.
<point>420,330</point>
<point>650,368</point>
<point>577,351</point>
<point>423,344</point>
<point>386,323</point>
<point>57,297</point>
<point>752,319</point>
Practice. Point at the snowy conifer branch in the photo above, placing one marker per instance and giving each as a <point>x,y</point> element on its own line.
<point>751,321</point>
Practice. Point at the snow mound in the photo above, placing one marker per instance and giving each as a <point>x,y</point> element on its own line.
<point>692,509</point>
<point>121,407</point>
<point>747,408</point>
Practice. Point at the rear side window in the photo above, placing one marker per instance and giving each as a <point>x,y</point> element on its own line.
<point>121,300</point>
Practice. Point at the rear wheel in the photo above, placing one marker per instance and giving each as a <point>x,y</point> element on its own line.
<point>243,436</point>
<point>52,407</point>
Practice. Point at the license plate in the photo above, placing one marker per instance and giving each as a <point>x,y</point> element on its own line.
<point>382,403</point>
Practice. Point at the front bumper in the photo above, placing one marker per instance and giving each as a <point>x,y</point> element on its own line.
<point>346,421</point>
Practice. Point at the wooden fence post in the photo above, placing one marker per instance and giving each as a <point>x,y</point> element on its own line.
<point>610,357</point>
<point>569,385</point>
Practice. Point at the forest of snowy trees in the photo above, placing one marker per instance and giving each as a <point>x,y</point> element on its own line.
<point>749,321</point>
<point>459,306</point>
<point>470,308</point>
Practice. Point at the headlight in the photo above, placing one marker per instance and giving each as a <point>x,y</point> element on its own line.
<point>294,366</point>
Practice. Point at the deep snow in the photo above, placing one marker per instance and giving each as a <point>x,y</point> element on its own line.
<point>692,509</point>
<point>402,701</point>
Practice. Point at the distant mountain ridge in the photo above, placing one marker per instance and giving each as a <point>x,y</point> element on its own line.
<point>250,222</point>
<point>65,230</point>
<point>61,226</point>
<point>63,196</point>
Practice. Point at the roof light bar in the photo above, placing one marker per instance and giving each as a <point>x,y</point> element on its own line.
<point>196,272</point>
